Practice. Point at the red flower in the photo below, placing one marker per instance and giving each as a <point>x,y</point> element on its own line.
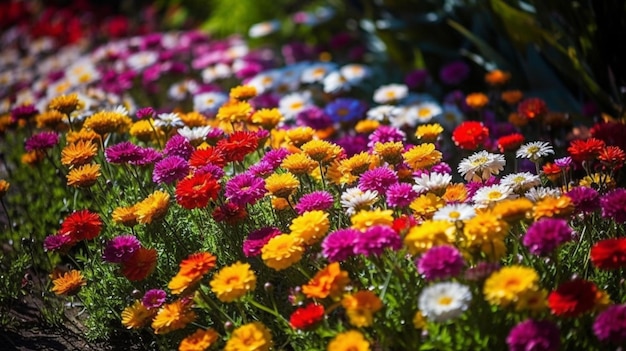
<point>585,150</point>
<point>307,317</point>
<point>230,213</point>
<point>532,108</point>
<point>402,224</point>
<point>195,192</point>
<point>140,265</point>
<point>81,225</point>
<point>612,156</point>
<point>573,298</point>
<point>238,145</point>
<point>552,171</point>
<point>612,133</point>
<point>470,134</point>
<point>609,253</point>
<point>511,142</point>
<point>210,155</point>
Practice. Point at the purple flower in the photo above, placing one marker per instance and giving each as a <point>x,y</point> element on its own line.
<point>610,325</point>
<point>339,245</point>
<point>416,78</point>
<point>170,169</point>
<point>275,156</point>
<point>257,239</point>
<point>266,100</point>
<point>534,335</point>
<point>41,141</point>
<point>120,248</point>
<point>400,195</point>
<point>124,152</point>
<point>145,112</point>
<point>563,162</point>
<point>586,200</point>
<point>454,73</point>
<point>545,235</point>
<point>442,168</point>
<point>245,189</point>
<point>57,242</point>
<point>178,145</point>
<point>23,112</point>
<point>261,169</point>
<point>481,270</point>
<point>317,200</point>
<point>385,134</point>
<point>613,205</point>
<point>214,135</point>
<point>378,179</point>
<point>346,109</point>
<point>215,171</point>
<point>376,239</point>
<point>314,117</point>
<point>153,298</point>
<point>147,157</point>
<point>440,262</point>
<point>352,144</point>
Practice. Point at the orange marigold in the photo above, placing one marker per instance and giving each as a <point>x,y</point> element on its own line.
<point>330,281</point>
<point>68,283</point>
<point>173,316</point>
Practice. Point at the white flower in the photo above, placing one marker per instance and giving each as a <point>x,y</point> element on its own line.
<point>481,165</point>
<point>316,72</point>
<point>381,112</point>
<point>390,93</point>
<point>539,193</point>
<point>264,28</point>
<point>179,91</point>
<point>426,111</point>
<point>433,182</point>
<point>82,72</point>
<point>263,82</point>
<point>521,181</point>
<point>334,82</point>
<point>444,301</point>
<point>166,120</point>
<point>454,212</point>
<point>196,133</point>
<point>354,199</point>
<point>534,150</point>
<point>290,105</point>
<point>491,194</point>
<point>209,102</point>
<point>218,71</point>
<point>354,73</point>
<point>141,60</point>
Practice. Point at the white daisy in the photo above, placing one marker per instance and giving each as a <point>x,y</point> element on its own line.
<point>354,73</point>
<point>455,212</point>
<point>433,182</point>
<point>492,194</point>
<point>82,72</point>
<point>541,192</point>
<point>215,72</point>
<point>316,72</point>
<point>390,93</point>
<point>168,120</point>
<point>262,29</point>
<point>382,112</point>
<point>290,105</point>
<point>196,133</point>
<point>179,91</point>
<point>444,301</point>
<point>534,150</point>
<point>481,165</point>
<point>142,60</point>
<point>264,81</point>
<point>209,102</point>
<point>426,111</point>
<point>354,199</point>
<point>521,181</point>
<point>121,110</point>
<point>335,82</point>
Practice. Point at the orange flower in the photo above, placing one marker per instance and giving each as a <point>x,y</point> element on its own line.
<point>140,265</point>
<point>476,100</point>
<point>612,156</point>
<point>497,77</point>
<point>199,341</point>
<point>552,171</point>
<point>68,283</point>
<point>173,316</point>
<point>79,153</point>
<point>559,207</point>
<point>84,176</point>
<point>361,306</point>
<point>330,281</point>
<point>192,269</point>
<point>137,315</point>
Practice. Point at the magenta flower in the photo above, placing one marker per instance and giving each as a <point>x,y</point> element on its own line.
<point>120,248</point>
<point>124,152</point>
<point>275,157</point>
<point>610,325</point>
<point>481,270</point>
<point>585,199</point>
<point>440,262</point>
<point>245,189</point>
<point>534,335</point>
<point>57,242</point>
<point>170,169</point>
<point>257,239</point>
<point>215,171</point>
<point>154,298</point>
<point>400,195</point>
<point>613,205</point>
<point>376,239</point>
<point>385,134</point>
<point>145,112</point>
<point>377,179</point>
<point>147,157</point>
<point>442,168</point>
<point>545,235</point>
<point>317,200</point>
<point>416,78</point>
<point>314,117</point>
<point>339,245</point>
<point>179,146</point>
<point>23,112</point>
<point>41,141</point>
<point>261,169</point>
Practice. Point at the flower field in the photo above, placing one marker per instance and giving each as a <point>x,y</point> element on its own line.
<point>300,188</point>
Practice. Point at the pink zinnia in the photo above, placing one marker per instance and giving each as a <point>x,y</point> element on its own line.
<point>440,262</point>
<point>377,179</point>
<point>317,200</point>
<point>121,248</point>
<point>41,141</point>
<point>245,189</point>
<point>545,235</point>
<point>124,152</point>
<point>339,245</point>
<point>257,239</point>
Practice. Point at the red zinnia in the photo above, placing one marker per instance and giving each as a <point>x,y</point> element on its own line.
<point>140,265</point>
<point>238,145</point>
<point>585,150</point>
<point>511,142</point>
<point>532,108</point>
<point>307,317</point>
<point>230,213</point>
<point>196,191</point>
<point>81,225</point>
<point>552,171</point>
<point>470,134</point>
<point>612,156</point>
<point>609,253</point>
<point>402,224</point>
<point>573,298</point>
<point>210,155</point>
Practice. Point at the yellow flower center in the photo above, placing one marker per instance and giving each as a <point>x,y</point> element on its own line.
<point>455,214</point>
<point>494,195</point>
<point>445,300</point>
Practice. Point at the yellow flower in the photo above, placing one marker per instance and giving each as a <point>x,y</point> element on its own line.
<point>321,150</point>
<point>31,158</point>
<point>310,226</point>
<point>66,103</point>
<point>298,163</point>
<point>68,283</point>
<point>146,131</point>
<point>233,282</point>
<point>153,207</point>
<point>428,132</point>
<point>83,134</point>
<point>200,340</point>
<point>419,321</point>
<point>426,205</point>
<point>267,118</point>
<point>282,184</point>
<point>560,207</point>
<point>299,136</point>
<point>422,156</point>
<point>365,219</point>
<point>173,316</point>
<point>5,122</point>
<point>358,164</point>
<point>430,233</point>
<point>242,92</point>
<point>84,176</point>
<point>282,251</point>
<point>360,307</point>
<point>455,193</point>
<point>279,203</point>
<point>330,281</point>
<point>533,300</point>
<point>4,187</point>
<point>125,215</point>
<point>194,119</point>
<point>335,174</point>
<point>234,111</point>
<point>366,126</point>
<point>598,179</point>
<point>52,119</point>
<point>252,336</point>
<point>79,153</point>
<point>351,340</point>
<point>390,152</point>
<point>136,316</point>
<point>105,122</point>
<point>486,232</point>
<point>513,210</point>
<point>505,286</point>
